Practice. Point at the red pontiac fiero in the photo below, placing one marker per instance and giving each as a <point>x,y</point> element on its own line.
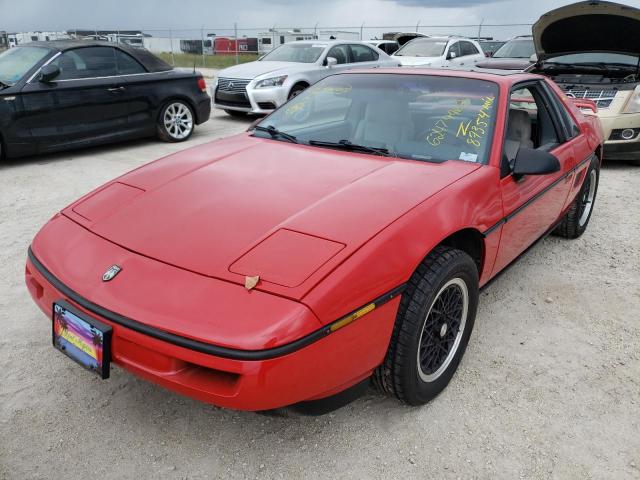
<point>343,238</point>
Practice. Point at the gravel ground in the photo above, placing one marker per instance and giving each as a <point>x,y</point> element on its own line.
<point>549,386</point>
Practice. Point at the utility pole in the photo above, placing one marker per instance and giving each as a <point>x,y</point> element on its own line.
<point>235,32</point>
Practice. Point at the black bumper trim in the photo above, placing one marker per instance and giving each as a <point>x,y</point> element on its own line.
<point>216,350</point>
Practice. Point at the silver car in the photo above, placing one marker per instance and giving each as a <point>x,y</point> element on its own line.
<point>262,86</point>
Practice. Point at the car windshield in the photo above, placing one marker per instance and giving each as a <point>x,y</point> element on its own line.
<point>292,52</point>
<point>17,61</point>
<point>422,47</point>
<point>516,49</point>
<point>418,117</point>
<point>596,57</point>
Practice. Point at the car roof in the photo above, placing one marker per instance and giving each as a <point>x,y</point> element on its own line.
<point>497,76</point>
<point>149,60</point>
<point>328,42</point>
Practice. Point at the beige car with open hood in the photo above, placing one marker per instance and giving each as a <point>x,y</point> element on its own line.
<point>591,50</point>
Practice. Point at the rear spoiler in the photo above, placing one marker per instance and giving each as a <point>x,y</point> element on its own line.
<point>585,103</point>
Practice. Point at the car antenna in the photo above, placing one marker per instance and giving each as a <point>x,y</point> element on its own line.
<point>194,64</point>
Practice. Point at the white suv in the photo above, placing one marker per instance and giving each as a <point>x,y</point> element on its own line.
<point>440,52</point>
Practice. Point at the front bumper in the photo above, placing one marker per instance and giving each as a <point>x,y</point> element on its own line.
<point>179,359</point>
<point>612,123</point>
<point>259,101</point>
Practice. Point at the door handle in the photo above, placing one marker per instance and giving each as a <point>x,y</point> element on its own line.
<point>116,89</point>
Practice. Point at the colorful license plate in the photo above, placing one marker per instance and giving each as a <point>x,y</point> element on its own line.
<point>85,340</point>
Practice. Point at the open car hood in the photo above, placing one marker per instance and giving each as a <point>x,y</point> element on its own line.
<point>591,26</point>
<point>405,37</point>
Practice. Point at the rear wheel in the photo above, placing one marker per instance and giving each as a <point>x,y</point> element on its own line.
<point>235,113</point>
<point>432,328</point>
<point>176,121</point>
<point>575,221</point>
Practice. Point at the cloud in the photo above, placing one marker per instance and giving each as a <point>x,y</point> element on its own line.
<point>442,3</point>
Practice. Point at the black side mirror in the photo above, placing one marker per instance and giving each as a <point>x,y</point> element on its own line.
<point>534,162</point>
<point>48,73</point>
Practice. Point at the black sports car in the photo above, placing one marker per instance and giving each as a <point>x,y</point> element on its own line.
<point>71,94</point>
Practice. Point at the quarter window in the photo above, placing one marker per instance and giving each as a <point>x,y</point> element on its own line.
<point>127,65</point>
<point>89,62</point>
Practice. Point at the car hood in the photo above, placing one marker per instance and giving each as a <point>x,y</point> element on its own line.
<point>252,70</point>
<point>412,61</point>
<point>247,206</point>
<point>590,26</point>
<point>504,63</point>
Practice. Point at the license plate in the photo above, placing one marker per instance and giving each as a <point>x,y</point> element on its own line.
<point>85,340</point>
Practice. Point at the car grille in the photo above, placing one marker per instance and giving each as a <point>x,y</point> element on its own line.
<point>603,98</point>
<point>232,85</point>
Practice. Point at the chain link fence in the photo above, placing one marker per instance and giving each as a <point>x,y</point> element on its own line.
<point>221,47</point>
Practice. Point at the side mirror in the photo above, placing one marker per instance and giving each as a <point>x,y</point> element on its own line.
<point>451,55</point>
<point>48,73</point>
<point>534,162</point>
<point>331,62</point>
<point>533,58</point>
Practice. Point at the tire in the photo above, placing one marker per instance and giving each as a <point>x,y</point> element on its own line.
<point>412,371</point>
<point>575,221</point>
<point>176,121</point>
<point>296,90</point>
<point>235,113</point>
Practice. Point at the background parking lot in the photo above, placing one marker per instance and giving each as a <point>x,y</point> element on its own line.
<point>549,386</point>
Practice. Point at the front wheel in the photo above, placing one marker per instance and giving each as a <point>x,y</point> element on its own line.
<point>432,328</point>
<point>176,121</point>
<point>296,90</point>
<point>575,221</point>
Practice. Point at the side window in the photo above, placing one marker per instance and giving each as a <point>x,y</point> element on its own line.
<point>340,53</point>
<point>454,48</point>
<point>571,128</point>
<point>529,124</point>
<point>89,62</point>
<point>127,65</point>
<point>468,48</point>
<point>362,53</point>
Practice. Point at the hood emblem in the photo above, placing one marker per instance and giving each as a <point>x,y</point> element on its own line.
<point>111,272</point>
<point>230,86</point>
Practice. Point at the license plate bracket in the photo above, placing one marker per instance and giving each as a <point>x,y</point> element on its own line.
<point>85,340</point>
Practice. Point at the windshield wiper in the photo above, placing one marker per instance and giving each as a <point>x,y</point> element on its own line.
<point>275,133</point>
<point>352,147</point>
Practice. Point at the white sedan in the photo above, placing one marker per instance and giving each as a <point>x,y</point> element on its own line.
<point>262,86</point>
<point>440,52</point>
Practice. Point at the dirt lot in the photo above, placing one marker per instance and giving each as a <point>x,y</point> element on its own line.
<point>549,386</point>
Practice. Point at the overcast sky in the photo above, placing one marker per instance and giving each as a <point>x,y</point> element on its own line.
<point>212,15</point>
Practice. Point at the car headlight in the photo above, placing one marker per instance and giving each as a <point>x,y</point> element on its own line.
<point>633,105</point>
<point>271,82</point>
<point>214,84</point>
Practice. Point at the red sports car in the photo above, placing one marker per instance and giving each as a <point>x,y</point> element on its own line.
<point>343,238</point>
